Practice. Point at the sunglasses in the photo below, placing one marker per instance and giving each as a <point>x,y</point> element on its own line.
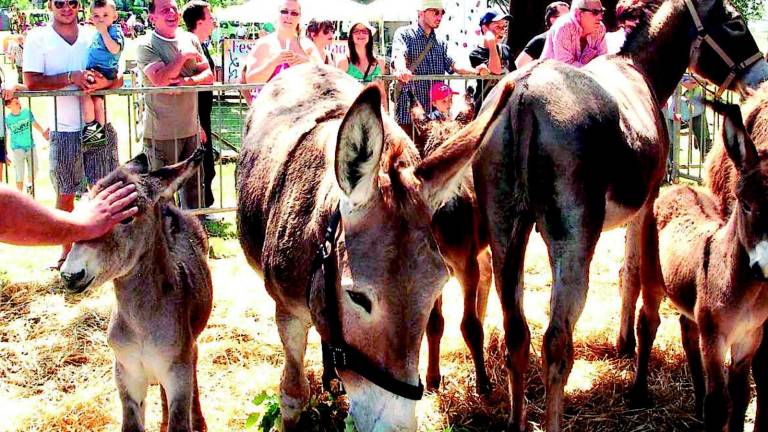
<point>73,4</point>
<point>437,12</point>
<point>595,12</point>
<point>292,13</point>
<point>327,31</point>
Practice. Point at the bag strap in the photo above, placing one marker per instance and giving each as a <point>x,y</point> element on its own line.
<point>367,70</point>
<point>422,55</point>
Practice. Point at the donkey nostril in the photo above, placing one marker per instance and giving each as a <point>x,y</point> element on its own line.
<point>71,278</point>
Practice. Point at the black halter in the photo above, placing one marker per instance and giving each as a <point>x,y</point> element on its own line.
<point>342,355</point>
<point>702,36</point>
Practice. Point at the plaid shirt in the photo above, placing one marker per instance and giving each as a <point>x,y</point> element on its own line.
<point>409,42</point>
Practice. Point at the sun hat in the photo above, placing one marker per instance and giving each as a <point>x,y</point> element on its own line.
<point>491,15</point>
<point>431,4</point>
<point>440,91</point>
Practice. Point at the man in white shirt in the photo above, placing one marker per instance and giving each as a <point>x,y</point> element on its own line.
<point>55,57</point>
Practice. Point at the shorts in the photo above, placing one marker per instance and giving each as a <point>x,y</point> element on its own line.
<point>24,158</point>
<point>110,74</point>
<point>71,169</point>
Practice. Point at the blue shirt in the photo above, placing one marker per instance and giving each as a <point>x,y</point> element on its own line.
<point>99,55</point>
<point>20,127</point>
<point>410,41</point>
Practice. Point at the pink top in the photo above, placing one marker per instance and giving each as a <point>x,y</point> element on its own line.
<point>563,42</point>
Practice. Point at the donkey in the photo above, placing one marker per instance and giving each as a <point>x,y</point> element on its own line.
<point>463,241</point>
<point>334,212</point>
<point>720,178</point>
<point>717,276</point>
<point>157,262</point>
<point>578,151</point>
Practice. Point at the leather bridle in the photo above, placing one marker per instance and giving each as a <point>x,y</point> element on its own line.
<point>702,36</point>
<point>342,355</point>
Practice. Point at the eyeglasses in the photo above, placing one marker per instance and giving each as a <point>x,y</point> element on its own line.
<point>438,12</point>
<point>595,12</point>
<point>361,31</point>
<point>293,13</point>
<point>73,4</point>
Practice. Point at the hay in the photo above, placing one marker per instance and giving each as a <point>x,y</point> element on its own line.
<point>56,367</point>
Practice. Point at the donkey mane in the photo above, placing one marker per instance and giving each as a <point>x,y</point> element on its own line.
<point>756,121</point>
<point>644,12</point>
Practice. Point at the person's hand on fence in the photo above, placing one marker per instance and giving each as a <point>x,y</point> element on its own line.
<point>106,209</point>
<point>193,55</point>
<point>8,90</point>
<point>482,70</point>
<point>404,75</point>
<point>96,81</point>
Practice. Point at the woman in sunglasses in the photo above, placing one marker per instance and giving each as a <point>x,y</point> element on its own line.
<point>362,63</point>
<point>281,49</point>
<point>579,38</point>
<point>321,33</point>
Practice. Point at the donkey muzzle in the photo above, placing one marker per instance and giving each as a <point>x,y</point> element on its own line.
<point>75,282</point>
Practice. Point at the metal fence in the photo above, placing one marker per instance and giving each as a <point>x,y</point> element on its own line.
<point>690,138</point>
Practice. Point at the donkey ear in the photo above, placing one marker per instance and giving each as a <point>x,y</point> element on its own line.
<point>137,165</point>
<point>359,145</point>
<point>737,141</point>
<point>442,171</point>
<point>172,177</point>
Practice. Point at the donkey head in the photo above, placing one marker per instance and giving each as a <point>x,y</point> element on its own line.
<point>736,57</point>
<point>390,269</point>
<point>751,208</point>
<point>116,253</point>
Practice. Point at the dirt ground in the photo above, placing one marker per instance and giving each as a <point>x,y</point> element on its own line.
<point>55,365</point>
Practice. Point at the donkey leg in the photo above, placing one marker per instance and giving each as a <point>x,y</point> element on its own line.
<point>435,328</point>
<point>471,326</point>
<point>689,333</point>
<point>652,284</point>
<point>294,386</point>
<point>198,421</point>
<point>717,405</point>
<point>508,264</point>
<point>178,385</point>
<point>739,390</point>
<point>132,387</point>
<point>484,284</point>
<point>629,288</point>
<point>164,403</point>
<point>760,375</point>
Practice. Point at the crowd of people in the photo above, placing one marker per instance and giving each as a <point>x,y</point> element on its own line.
<point>83,143</point>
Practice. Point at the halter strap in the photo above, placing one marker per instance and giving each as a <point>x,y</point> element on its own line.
<point>702,36</point>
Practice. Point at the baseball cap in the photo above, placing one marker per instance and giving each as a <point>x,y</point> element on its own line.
<point>431,4</point>
<point>492,16</point>
<point>440,91</point>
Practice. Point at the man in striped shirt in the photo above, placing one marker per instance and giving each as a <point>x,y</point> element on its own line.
<point>408,44</point>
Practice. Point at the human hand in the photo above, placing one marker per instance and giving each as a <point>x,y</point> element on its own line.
<point>9,92</point>
<point>97,81</point>
<point>490,39</point>
<point>82,79</point>
<point>98,215</point>
<point>296,59</point>
<point>203,136</point>
<point>404,76</point>
<point>47,134</point>
<point>483,70</point>
<point>193,55</point>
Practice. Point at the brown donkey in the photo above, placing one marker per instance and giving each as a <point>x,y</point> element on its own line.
<point>157,262</point>
<point>321,166</point>
<point>720,177</point>
<point>577,151</point>
<point>716,273</point>
<point>463,241</point>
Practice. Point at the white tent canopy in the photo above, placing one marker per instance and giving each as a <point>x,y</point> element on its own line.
<point>337,10</point>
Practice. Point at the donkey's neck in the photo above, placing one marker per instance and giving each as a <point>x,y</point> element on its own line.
<point>661,49</point>
<point>728,259</point>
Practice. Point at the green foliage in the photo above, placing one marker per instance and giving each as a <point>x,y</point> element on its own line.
<point>750,9</point>
<point>220,228</point>
<point>267,413</point>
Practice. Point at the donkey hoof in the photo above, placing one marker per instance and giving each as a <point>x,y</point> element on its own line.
<point>433,382</point>
<point>625,349</point>
<point>638,398</point>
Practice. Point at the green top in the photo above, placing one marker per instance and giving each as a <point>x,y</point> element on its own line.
<point>360,75</point>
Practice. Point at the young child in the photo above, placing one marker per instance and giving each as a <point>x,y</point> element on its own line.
<point>441,96</point>
<point>19,122</point>
<point>103,57</point>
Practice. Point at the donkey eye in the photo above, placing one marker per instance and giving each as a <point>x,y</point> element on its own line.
<point>746,207</point>
<point>736,26</point>
<point>360,299</point>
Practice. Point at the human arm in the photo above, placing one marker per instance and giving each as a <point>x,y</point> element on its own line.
<point>46,133</point>
<point>523,59</point>
<point>24,221</point>
<point>494,59</point>
<point>114,44</point>
<point>343,64</point>
<point>157,72</point>
<point>399,53</point>
<point>565,44</point>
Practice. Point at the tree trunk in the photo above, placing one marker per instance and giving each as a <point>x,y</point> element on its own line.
<point>528,21</point>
